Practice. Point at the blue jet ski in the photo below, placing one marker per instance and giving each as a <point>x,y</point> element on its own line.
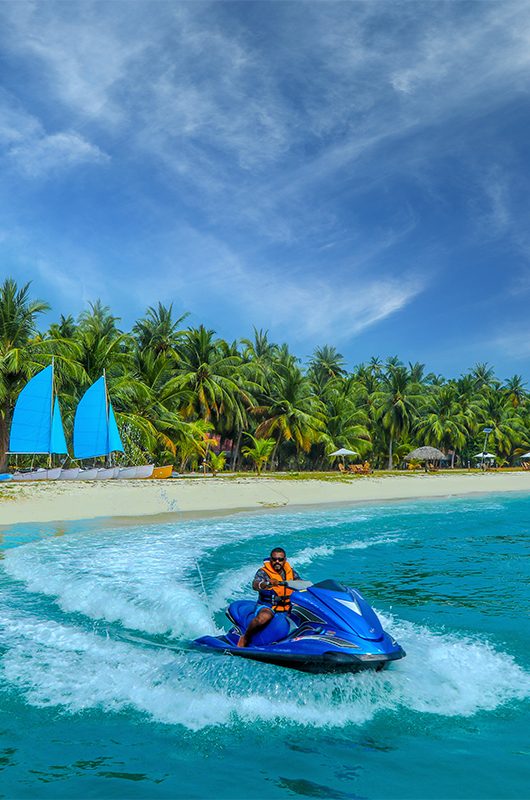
<point>330,628</point>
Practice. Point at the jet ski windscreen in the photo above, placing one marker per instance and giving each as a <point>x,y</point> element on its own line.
<point>331,586</point>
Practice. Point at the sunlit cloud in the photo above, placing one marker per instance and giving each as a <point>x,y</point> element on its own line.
<point>59,151</point>
<point>284,166</point>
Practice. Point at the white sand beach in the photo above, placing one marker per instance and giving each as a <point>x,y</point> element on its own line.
<point>55,501</point>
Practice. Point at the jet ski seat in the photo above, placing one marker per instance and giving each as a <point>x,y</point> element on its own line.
<point>242,611</point>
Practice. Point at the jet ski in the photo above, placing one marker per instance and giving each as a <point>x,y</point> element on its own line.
<point>329,628</point>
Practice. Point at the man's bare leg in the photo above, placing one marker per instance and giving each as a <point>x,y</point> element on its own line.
<point>260,620</point>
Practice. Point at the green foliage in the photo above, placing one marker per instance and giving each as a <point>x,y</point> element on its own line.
<point>217,462</point>
<point>173,386</point>
<point>260,453</point>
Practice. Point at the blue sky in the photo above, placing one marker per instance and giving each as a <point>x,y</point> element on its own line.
<point>352,174</point>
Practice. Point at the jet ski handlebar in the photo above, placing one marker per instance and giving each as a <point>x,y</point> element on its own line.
<point>297,586</point>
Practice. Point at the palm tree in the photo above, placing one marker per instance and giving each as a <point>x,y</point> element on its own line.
<point>102,346</point>
<point>22,351</point>
<point>260,452</point>
<point>416,372</point>
<point>515,392</point>
<point>442,423</point>
<point>291,411</point>
<point>483,376</point>
<point>64,329</point>
<point>158,330</point>
<point>396,405</point>
<point>346,421</point>
<point>508,428</point>
<point>212,377</point>
<point>259,350</point>
<point>326,363</point>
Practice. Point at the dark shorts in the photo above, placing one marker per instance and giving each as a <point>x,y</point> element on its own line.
<point>259,607</point>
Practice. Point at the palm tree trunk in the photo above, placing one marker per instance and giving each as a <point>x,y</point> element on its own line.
<point>390,455</point>
<point>273,456</point>
<point>4,438</point>
<point>235,451</point>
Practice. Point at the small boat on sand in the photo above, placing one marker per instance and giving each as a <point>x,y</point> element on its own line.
<point>162,472</point>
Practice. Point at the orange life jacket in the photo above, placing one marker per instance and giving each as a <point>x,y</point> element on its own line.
<point>283,593</point>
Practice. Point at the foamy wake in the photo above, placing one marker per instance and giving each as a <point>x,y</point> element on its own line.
<point>149,581</point>
<point>58,665</point>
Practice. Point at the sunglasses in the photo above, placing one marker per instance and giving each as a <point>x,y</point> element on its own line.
<point>278,559</point>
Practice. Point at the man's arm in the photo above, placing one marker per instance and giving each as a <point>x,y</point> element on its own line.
<point>262,581</point>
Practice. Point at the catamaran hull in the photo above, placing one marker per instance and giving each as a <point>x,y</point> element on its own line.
<point>107,473</point>
<point>69,474</point>
<point>134,473</point>
<point>88,474</point>
<point>38,475</point>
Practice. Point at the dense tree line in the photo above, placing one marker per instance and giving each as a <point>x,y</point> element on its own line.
<point>174,386</point>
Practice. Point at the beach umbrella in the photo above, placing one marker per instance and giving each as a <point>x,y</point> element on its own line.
<point>343,451</point>
<point>525,455</point>
<point>487,455</point>
<point>426,454</point>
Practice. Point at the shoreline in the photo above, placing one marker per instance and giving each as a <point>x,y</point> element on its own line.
<point>215,496</point>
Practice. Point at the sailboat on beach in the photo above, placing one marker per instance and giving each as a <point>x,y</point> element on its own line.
<point>96,432</point>
<point>37,427</point>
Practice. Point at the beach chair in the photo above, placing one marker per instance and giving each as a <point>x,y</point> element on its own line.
<point>342,468</point>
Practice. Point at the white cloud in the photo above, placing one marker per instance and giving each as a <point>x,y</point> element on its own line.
<point>80,54</point>
<point>512,344</point>
<point>59,151</point>
<point>272,129</point>
<point>317,310</point>
<point>16,125</point>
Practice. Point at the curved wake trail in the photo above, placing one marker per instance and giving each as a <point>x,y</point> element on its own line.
<point>146,580</point>
<point>55,664</point>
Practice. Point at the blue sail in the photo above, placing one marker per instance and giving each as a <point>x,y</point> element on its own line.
<point>57,440</point>
<point>95,429</point>
<point>90,423</point>
<point>115,442</point>
<point>32,417</point>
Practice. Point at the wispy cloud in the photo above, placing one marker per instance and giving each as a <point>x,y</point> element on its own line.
<point>41,156</point>
<point>512,344</point>
<point>319,311</point>
<point>322,134</point>
<point>33,152</point>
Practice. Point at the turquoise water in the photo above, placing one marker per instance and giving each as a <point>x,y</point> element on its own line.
<point>100,696</point>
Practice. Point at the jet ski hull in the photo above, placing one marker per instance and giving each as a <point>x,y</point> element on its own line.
<point>330,628</point>
<point>325,662</point>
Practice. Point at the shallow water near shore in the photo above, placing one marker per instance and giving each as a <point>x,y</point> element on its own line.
<point>101,695</point>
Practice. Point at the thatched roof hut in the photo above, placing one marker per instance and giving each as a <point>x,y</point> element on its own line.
<point>426,454</point>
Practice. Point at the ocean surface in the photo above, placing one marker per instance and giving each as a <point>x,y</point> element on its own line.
<point>102,697</point>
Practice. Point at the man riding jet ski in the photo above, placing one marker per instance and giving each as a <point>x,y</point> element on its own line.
<point>320,627</point>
